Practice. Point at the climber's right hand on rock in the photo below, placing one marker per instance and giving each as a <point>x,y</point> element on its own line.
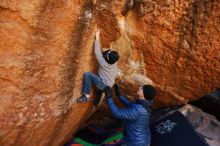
<point>117,90</point>
<point>108,92</point>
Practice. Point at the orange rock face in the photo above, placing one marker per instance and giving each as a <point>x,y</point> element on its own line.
<point>47,45</point>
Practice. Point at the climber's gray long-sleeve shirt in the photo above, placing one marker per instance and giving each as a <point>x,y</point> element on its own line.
<point>107,72</point>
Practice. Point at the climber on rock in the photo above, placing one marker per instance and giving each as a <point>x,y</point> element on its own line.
<point>141,6</point>
<point>136,114</point>
<point>106,75</point>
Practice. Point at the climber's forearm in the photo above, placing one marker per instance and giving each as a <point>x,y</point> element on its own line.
<point>97,50</point>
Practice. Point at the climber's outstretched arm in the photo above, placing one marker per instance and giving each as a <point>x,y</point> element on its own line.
<point>98,52</point>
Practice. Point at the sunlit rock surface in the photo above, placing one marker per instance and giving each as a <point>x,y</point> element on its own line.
<point>47,45</point>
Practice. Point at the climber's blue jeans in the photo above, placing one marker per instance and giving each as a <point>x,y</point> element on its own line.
<point>88,79</point>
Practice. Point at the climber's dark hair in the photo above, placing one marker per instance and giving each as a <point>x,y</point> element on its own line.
<point>111,56</point>
<point>149,92</point>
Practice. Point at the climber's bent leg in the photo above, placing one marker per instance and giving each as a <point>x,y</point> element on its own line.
<point>88,79</point>
<point>97,97</point>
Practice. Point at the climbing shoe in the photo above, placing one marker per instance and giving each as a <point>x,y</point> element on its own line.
<point>82,98</point>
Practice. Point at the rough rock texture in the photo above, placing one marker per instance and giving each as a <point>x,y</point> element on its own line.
<point>46,45</point>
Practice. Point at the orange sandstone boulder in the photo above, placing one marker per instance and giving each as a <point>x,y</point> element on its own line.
<point>45,46</point>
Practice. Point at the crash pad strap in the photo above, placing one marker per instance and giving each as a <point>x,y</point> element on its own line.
<point>81,141</point>
<point>111,139</point>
